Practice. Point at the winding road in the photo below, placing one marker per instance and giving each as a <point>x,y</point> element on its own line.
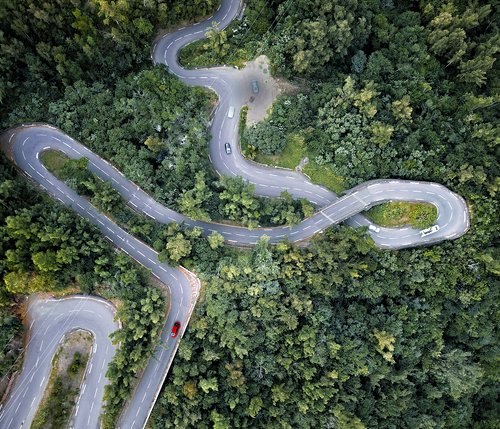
<point>51,320</point>
<point>24,145</point>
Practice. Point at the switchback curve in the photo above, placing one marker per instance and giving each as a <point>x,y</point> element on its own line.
<point>25,144</point>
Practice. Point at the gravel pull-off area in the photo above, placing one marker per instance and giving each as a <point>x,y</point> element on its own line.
<point>269,88</point>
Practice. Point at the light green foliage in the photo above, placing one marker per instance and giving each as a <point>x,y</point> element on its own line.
<point>401,109</point>
<point>402,213</point>
<point>385,345</point>
<point>191,202</point>
<point>177,247</point>
<point>154,144</point>
<point>381,133</point>
<point>238,202</point>
<point>215,240</point>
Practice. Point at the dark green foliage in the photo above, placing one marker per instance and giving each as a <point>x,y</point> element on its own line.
<point>142,315</point>
<point>48,45</point>
<point>266,137</point>
<point>76,363</point>
<point>56,411</point>
<point>236,44</point>
<point>10,341</point>
<point>122,126</point>
<point>339,332</point>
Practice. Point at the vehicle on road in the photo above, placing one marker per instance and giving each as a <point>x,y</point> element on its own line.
<point>228,148</point>
<point>230,112</point>
<point>428,231</point>
<point>255,87</point>
<point>374,228</point>
<point>175,329</point>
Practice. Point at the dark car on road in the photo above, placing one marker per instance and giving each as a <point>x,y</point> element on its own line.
<point>175,329</point>
<point>255,87</point>
<point>228,148</point>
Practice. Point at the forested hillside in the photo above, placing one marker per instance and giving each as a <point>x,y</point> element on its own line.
<point>339,334</point>
<point>343,335</point>
<point>78,65</point>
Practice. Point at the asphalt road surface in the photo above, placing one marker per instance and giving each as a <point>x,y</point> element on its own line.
<point>233,88</point>
<point>50,320</point>
<point>24,144</point>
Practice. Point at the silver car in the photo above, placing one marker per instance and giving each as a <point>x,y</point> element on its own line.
<point>228,148</point>
<point>255,87</point>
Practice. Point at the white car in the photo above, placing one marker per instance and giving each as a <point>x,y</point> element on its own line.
<point>428,231</point>
<point>374,228</point>
<point>230,112</point>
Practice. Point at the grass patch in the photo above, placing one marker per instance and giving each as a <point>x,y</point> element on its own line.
<point>62,390</point>
<point>291,155</point>
<point>323,175</point>
<point>201,54</point>
<point>54,160</point>
<point>242,122</point>
<point>294,150</point>
<point>402,213</point>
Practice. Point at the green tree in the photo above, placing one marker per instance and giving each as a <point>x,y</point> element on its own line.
<point>238,202</point>
<point>216,40</point>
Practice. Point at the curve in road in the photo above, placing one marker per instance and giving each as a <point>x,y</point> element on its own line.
<point>24,144</point>
<point>28,142</point>
<point>233,89</point>
<point>51,320</point>
<point>183,286</point>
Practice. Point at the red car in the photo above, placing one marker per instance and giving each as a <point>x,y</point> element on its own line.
<point>175,329</point>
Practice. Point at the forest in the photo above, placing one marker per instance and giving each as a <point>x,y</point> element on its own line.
<point>338,334</point>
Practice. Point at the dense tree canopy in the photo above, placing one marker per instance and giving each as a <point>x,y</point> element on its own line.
<point>54,43</point>
<point>339,334</point>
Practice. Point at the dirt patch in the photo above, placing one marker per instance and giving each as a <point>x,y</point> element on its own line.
<point>75,342</point>
<point>269,88</point>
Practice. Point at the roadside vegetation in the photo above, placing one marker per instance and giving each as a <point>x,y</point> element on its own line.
<point>234,45</point>
<point>63,386</point>
<point>401,213</point>
<point>235,200</point>
<point>339,334</point>
<point>269,144</point>
<point>11,330</point>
